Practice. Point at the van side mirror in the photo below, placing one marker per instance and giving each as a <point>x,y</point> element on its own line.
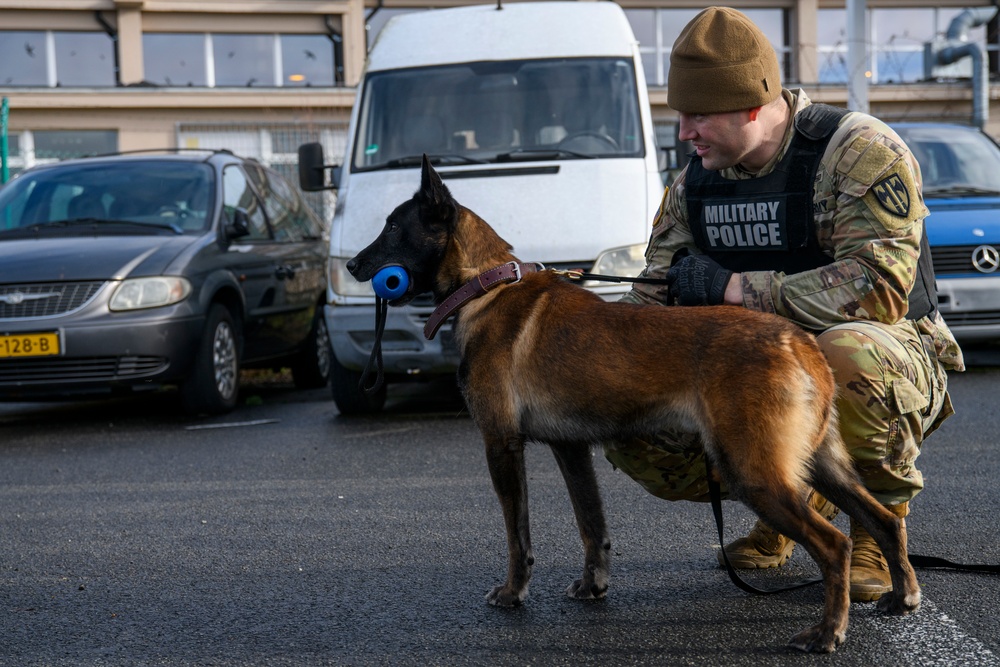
<point>312,176</point>
<point>240,226</point>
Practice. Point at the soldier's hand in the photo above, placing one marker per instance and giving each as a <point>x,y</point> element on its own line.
<point>697,280</point>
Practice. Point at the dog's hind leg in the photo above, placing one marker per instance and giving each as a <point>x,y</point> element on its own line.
<point>835,478</point>
<point>505,456</point>
<point>785,509</point>
<point>577,465</point>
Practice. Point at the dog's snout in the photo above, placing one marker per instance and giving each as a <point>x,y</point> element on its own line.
<point>352,265</point>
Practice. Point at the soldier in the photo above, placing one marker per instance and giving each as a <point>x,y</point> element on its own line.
<point>814,214</point>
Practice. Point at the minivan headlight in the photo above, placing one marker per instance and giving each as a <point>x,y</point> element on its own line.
<point>153,292</point>
<point>626,262</point>
<point>343,283</point>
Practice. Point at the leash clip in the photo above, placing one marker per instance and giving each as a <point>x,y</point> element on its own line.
<point>572,274</point>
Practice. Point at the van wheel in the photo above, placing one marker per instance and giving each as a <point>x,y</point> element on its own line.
<point>311,366</point>
<point>214,383</point>
<point>347,394</point>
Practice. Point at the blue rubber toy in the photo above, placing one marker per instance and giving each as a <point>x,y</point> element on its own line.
<point>391,282</point>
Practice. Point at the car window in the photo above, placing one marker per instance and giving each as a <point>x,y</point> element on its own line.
<point>279,205</point>
<point>290,218</point>
<point>237,193</point>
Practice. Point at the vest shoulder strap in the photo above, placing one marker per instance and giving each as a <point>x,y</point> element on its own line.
<point>818,121</point>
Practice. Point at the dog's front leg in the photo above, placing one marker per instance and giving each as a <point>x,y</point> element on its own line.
<point>505,457</point>
<point>577,465</point>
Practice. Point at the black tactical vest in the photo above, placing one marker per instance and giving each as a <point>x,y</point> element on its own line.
<point>767,224</point>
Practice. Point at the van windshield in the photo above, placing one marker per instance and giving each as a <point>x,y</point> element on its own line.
<point>510,111</point>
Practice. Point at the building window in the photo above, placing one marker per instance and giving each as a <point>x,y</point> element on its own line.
<point>62,144</point>
<point>51,59</point>
<point>23,60</point>
<point>84,59</point>
<point>658,29</point>
<point>175,59</point>
<point>244,60</point>
<point>222,59</point>
<point>30,147</point>
<point>308,60</point>
<point>895,42</point>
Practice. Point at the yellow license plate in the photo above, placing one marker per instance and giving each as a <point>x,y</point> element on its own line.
<point>29,345</point>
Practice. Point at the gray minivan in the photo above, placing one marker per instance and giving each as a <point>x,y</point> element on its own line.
<point>136,271</point>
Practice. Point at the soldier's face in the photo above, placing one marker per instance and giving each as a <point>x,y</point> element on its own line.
<point>721,139</point>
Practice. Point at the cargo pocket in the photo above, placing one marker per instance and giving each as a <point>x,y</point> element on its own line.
<point>910,404</point>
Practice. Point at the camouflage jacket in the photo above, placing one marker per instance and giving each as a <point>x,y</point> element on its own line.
<point>875,250</point>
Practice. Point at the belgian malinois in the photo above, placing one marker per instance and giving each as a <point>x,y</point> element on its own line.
<point>545,360</point>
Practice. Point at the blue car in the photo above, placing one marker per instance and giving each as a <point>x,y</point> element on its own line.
<point>961,175</point>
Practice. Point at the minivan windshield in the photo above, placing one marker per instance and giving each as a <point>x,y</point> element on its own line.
<point>505,111</point>
<point>122,196</point>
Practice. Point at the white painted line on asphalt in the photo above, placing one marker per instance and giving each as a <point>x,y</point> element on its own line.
<point>930,634</point>
<point>384,431</point>
<point>255,422</point>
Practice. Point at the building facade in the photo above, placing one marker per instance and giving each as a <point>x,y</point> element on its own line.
<point>261,76</point>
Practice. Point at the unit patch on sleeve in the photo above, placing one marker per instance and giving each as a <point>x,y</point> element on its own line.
<point>894,199</point>
<point>892,195</point>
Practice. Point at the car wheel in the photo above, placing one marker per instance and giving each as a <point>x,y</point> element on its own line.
<point>348,396</point>
<point>311,366</point>
<point>214,383</point>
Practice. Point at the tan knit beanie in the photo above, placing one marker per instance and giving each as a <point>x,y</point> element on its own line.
<point>722,62</point>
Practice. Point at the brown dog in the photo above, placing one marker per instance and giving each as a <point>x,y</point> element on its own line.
<point>545,360</point>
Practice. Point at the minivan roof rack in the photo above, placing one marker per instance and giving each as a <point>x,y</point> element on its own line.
<point>138,151</point>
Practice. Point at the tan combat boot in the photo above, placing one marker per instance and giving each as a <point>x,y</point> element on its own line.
<point>765,547</point>
<point>869,570</point>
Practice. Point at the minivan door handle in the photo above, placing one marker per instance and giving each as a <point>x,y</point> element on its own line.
<point>284,272</point>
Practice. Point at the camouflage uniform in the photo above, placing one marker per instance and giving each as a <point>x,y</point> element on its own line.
<point>890,371</point>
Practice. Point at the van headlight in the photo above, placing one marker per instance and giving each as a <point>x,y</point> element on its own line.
<point>628,261</point>
<point>152,292</point>
<point>343,283</point>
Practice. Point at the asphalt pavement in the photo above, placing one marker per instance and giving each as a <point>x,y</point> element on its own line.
<point>283,534</point>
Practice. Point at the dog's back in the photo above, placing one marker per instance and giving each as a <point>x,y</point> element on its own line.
<point>558,363</point>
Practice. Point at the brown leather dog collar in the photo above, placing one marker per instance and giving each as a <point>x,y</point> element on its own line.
<point>510,272</point>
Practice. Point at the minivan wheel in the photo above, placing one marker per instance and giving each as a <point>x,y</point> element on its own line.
<point>214,383</point>
<point>348,396</point>
<point>311,366</point>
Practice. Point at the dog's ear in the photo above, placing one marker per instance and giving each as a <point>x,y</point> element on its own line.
<point>431,184</point>
<point>434,194</point>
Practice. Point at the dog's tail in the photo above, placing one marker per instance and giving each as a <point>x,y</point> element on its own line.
<point>834,475</point>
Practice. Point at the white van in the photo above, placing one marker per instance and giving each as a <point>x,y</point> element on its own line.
<point>537,117</point>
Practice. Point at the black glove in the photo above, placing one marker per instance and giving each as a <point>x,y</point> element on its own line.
<point>697,280</point>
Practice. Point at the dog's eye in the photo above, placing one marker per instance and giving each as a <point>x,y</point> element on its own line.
<point>391,227</point>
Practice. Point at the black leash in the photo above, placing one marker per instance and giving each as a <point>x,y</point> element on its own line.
<point>921,562</point>
<point>381,312</point>
<point>716,495</point>
<point>580,275</point>
<point>933,562</point>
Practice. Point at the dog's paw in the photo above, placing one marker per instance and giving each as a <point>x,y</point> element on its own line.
<point>899,605</point>
<point>817,639</point>
<point>502,596</point>
<point>586,590</point>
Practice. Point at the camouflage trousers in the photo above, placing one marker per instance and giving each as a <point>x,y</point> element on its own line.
<point>892,393</point>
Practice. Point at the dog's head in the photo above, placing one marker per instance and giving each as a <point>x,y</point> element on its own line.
<point>415,237</point>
